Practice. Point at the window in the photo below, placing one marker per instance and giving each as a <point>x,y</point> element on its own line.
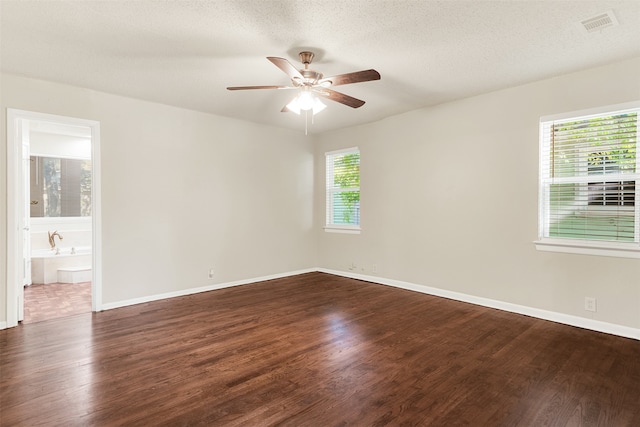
<point>343,191</point>
<point>589,173</point>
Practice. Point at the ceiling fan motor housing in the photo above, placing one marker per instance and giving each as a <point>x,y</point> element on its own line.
<point>311,77</point>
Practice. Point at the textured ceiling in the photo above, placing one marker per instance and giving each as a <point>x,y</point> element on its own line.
<point>185,53</point>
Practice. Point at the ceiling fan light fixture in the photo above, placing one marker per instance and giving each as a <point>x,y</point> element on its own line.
<point>306,101</point>
<point>293,106</point>
<point>318,106</point>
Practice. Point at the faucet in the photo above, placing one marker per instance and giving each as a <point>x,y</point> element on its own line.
<point>52,238</point>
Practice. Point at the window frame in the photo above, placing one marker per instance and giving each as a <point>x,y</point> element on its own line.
<point>329,226</point>
<point>586,246</point>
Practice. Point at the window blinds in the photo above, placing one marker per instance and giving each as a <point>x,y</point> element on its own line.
<point>589,177</point>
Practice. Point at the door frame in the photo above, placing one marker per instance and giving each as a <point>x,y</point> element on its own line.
<point>15,203</point>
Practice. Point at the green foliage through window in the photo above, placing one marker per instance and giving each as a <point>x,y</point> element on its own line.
<point>347,175</point>
<point>343,188</point>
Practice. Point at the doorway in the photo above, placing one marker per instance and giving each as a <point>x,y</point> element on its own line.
<point>60,157</point>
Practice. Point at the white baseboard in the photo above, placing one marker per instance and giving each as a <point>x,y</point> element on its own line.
<point>3,325</point>
<point>580,322</point>
<point>190,291</point>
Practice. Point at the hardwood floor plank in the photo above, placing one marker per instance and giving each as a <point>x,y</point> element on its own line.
<point>314,349</point>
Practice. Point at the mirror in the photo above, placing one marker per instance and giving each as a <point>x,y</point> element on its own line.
<point>60,187</point>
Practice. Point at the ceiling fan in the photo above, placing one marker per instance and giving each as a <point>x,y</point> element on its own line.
<point>311,83</point>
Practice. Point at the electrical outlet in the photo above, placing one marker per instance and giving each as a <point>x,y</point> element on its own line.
<point>374,268</point>
<point>211,273</point>
<point>589,303</point>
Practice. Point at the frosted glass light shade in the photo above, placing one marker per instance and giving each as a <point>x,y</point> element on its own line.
<point>305,102</point>
<point>318,106</point>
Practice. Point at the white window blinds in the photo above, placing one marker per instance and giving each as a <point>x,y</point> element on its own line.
<point>589,177</point>
<point>343,188</point>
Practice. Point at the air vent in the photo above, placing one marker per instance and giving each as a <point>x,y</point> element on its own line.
<point>600,22</point>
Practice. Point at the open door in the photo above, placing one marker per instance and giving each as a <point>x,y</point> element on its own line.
<point>19,208</point>
<point>18,215</point>
<point>25,217</point>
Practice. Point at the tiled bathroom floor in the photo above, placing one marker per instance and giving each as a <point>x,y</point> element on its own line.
<point>42,302</point>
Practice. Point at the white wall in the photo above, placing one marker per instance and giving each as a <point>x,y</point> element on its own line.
<point>449,200</point>
<point>182,191</point>
<point>51,145</point>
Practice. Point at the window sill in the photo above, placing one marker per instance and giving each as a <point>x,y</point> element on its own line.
<point>620,250</point>
<point>343,230</point>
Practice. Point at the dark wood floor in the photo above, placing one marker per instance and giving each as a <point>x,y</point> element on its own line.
<point>44,302</point>
<point>314,350</point>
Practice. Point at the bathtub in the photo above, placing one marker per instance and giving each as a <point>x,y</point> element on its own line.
<point>45,263</point>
